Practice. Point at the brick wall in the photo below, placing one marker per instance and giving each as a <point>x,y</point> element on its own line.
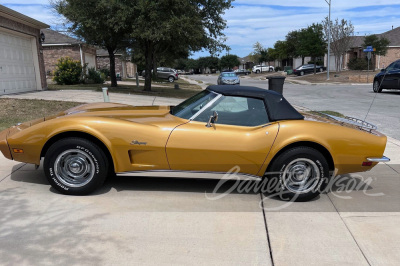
<point>392,55</point>
<point>104,62</point>
<point>25,29</point>
<point>53,53</point>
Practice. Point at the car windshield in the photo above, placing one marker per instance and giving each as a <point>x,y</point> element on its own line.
<point>192,105</point>
<point>228,75</point>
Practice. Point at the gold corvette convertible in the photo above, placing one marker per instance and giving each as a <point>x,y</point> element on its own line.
<point>254,130</point>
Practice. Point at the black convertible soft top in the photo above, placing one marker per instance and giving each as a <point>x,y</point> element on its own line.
<point>278,107</point>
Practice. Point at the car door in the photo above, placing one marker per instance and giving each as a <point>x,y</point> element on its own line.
<point>161,72</point>
<point>242,136</point>
<point>391,77</point>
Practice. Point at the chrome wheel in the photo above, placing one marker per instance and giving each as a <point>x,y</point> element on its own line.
<point>302,73</point>
<point>301,176</point>
<point>74,168</point>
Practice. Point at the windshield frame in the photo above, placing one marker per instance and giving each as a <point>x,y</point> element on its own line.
<point>216,97</point>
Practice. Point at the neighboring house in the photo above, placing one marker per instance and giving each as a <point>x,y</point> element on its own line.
<point>124,68</point>
<point>21,59</point>
<point>356,51</point>
<point>246,63</point>
<point>57,45</point>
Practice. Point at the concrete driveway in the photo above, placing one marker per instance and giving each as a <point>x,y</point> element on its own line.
<point>149,221</point>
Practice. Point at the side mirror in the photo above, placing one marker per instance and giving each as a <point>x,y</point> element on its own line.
<point>383,70</point>
<point>213,119</point>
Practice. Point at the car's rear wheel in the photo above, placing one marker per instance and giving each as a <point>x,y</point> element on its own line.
<point>321,69</point>
<point>171,79</point>
<point>376,87</point>
<point>76,166</point>
<point>301,73</point>
<point>298,174</point>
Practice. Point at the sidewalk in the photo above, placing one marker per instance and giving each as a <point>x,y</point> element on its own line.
<point>89,96</point>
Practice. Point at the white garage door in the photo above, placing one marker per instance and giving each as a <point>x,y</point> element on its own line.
<point>90,59</point>
<point>17,71</point>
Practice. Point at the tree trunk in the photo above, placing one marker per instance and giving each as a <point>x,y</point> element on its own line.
<point>315,65</point>
<point>154,68</point>
<point>112,67</point>
<point>149,66</point>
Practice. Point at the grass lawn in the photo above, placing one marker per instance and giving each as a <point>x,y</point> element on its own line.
<point>186,89</point>
<point>345,76</point>
<point>15,111</point>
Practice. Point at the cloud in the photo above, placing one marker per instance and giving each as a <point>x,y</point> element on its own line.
<point>265,21</point>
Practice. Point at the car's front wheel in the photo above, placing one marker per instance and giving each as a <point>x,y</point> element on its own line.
<point>75,166</point>
<point>298,174</point>
<point>258,71</point>
<point>321,69</point>
<point>376,87</point>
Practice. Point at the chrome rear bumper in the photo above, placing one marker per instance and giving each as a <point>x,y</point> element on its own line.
<point>383,159</point>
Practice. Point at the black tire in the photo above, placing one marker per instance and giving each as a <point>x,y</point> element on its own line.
<point>171,79</point>
<point>285,177</point>
<point>377,87</point>
<point>76,166</point>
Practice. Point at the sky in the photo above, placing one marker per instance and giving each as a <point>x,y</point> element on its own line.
<point>264,21</point>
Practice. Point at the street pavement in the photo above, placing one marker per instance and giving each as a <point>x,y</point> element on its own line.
<point>165,221</point>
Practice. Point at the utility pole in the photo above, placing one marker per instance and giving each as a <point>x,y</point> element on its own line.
<point>329,40</point>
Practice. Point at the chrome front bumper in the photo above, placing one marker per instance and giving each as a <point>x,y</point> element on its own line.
<point>383,159</point>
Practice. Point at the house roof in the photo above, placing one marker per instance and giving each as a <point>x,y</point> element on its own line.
<point>245,59</point>
<point>103,52</point>
<point>16,16</point>
<point>55,38</point>
<point>392,35</point>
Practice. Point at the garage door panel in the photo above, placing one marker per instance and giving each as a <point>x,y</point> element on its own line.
<point>17,70</point>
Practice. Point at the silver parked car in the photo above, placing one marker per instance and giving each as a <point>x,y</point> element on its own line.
<point>228,78</point>
<point>165,73</point>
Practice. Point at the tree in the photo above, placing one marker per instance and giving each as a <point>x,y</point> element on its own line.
<point>293,44</point>
<point>341,33</point>
<point>280,51</point>
<point>271,55</point>
<point>166,27</point>
<point>259,53</point>
<point>312,42</point>
<point>380,44</point>
<point>230,61</point>
<point>102,23</point>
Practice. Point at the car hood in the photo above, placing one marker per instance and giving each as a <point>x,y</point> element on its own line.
<point>139,114</point>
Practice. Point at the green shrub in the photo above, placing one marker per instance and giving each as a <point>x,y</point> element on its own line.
<point>68,71</point>
<point>94,76</point>
<point>358,64</point>
<point>105,71</point>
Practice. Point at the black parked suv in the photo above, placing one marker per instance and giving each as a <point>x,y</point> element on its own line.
<point>388,78</point>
